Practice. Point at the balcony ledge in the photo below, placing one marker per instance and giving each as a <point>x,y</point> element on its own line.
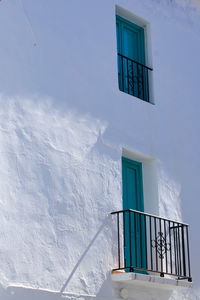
<point>150,280</point>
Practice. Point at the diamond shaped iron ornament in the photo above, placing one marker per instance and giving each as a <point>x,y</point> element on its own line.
<point>161,245</point>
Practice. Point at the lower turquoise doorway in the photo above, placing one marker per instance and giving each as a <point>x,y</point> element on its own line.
<point>135,247</point>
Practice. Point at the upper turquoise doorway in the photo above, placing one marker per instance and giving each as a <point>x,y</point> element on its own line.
<point>134,224</point>
<point>133,74</point>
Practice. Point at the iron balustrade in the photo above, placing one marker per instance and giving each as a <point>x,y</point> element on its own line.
<point>133,77</point>
<point>148,243</point>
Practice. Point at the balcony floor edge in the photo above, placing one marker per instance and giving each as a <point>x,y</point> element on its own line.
<point>150,280</point>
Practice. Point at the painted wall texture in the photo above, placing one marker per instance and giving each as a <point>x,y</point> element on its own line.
<point>64,126</point>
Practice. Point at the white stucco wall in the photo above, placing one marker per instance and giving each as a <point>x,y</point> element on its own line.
<point>64,125</point>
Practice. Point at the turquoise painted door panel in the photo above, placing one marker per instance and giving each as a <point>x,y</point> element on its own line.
<point>130,40</point>
<point>134,224</point>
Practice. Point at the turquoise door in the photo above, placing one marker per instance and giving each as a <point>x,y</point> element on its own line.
<point>130,44</point>
<point>134,223</point>
<point>130,40</point>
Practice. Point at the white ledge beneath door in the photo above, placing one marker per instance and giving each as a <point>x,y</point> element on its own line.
<point>150,280</point>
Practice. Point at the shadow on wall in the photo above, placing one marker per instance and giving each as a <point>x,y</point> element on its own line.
<point>25,293</point>
<point>104,223</point>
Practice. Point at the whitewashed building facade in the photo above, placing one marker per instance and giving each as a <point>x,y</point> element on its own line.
<point>96,120</point>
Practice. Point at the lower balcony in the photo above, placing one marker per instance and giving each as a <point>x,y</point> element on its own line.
<point>151,245</point>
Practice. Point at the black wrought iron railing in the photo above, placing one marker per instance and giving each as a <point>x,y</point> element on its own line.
<point>133,77</point>
<point>147,243</point>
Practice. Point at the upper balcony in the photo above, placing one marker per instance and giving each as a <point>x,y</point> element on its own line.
<point>133,77</point>
<point>151,245</point>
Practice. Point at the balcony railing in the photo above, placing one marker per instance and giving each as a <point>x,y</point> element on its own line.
<point>147,243</point>
<point>133,77</point>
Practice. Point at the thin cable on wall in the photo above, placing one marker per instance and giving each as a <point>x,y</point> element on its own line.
<point>29,24</point>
